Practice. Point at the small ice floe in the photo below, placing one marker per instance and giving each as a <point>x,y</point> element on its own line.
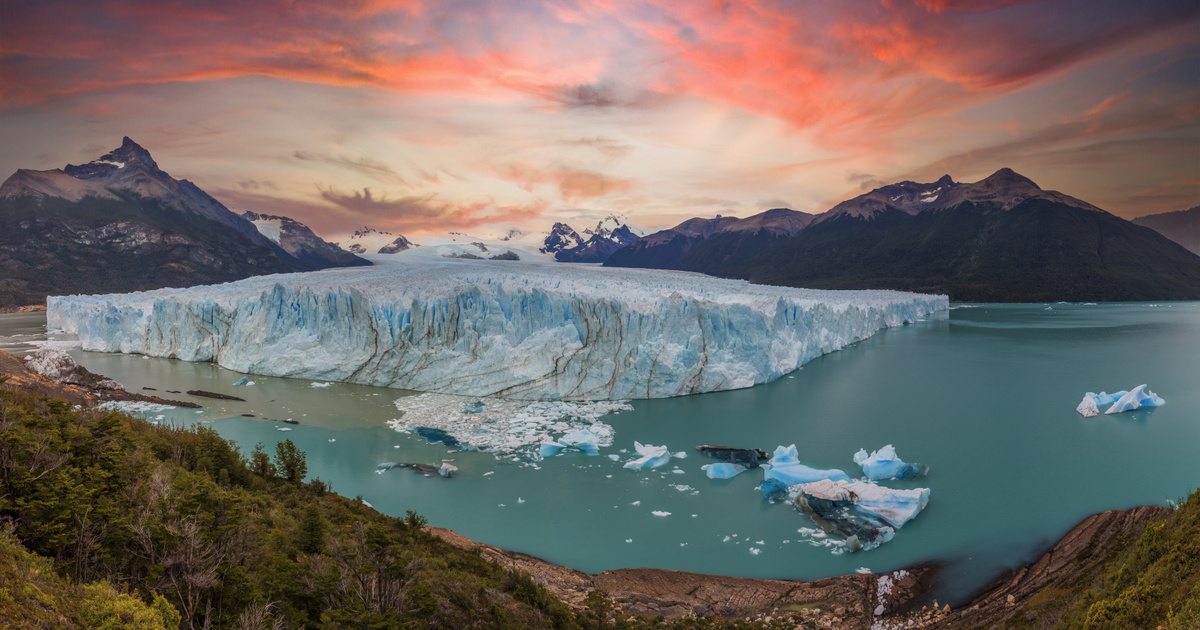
<point>447,470</point>
<point>1121,401</point>
<point>628,540</point>
<point>134,406</point>
<point>679,455</point>
<point>863,571</point>
<point>318,384</point>
<point>614,457</point>
<point>245,380</point>
<point>1137,398</point>
<point>488,473</point>
<point>866,514</point>
<point>364,502</point>
<point>283,428</point>
<point>755,551</point>
<point>651,456</point>
<point>785,469</point>
<point>636,503</point>
<point>660,513</point>
<point>1048,308</point>
<point>723,470</point>
<point>520,500</point>
<point>885,464</point>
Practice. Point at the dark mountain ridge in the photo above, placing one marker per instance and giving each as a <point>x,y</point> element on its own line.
<point>1181,226</point>
<point>118,224</point>
<point>1001,239</point>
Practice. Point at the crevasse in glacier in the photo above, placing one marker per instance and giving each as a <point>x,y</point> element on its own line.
<point>474,328</point>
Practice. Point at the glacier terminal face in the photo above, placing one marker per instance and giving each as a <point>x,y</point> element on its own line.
<point>485,328</point>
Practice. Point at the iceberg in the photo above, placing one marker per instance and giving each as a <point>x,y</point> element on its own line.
<point>723,470</point>
<point>1088,408</point>
<point>245,380</point>
<point>1136,399</point>
<point>549,449</point>
<point>773,489</point>
<point>447,470</point>
<point>867,514</point>
<point>651,456</point>
<point>884,464</point>
<point>477,328</point>
<point>747,457</point>
<point>1105,399</point>
<point>583,440</point>
<point>785,466</point>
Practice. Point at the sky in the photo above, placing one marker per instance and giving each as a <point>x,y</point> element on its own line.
<point>477,116</point>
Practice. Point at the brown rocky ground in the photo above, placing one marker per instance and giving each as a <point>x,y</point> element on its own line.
<point>846,601</point>
<point>87,389</point>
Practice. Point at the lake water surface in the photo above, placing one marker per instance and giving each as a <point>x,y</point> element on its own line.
<point>986,398</point>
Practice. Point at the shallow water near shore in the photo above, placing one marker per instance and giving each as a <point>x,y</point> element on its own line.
<point>986,398</point>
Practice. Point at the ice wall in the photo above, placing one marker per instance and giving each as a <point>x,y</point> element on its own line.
<point>482,328</point>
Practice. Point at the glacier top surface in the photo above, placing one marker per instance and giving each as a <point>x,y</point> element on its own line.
<point>414,275</point>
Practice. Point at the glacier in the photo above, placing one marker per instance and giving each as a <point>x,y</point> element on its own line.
<point>514,330</point>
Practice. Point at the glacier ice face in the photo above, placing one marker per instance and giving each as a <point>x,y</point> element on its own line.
<point>723,470</point>
<point>519,330</point>
<point>1137,398</point>
<point>651,456</point>
<point>885,464</point>
<point>785,467</point>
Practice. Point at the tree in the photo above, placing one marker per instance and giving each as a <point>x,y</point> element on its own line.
<point>260,463</point>
<point>311,536</point>
<point>289,460</point>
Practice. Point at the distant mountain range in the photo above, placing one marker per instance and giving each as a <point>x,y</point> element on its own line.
<point>1182,226</point>
<point>610,234</point>
<point>119,223</point>
<point>1000,239</point>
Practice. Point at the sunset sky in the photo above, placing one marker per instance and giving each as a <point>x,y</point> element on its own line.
<point>477,115</point>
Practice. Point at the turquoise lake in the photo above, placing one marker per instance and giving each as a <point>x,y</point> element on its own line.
<point>986,398</point>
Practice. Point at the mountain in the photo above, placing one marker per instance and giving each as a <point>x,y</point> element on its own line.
<point>296,239</point>
<point>369,240</point>
<point>1001,239</point>
<point>119,223</point>
<point>1181,226</point>
<point>719,246</point>
<point>561,237</point>
<point>610,234</point>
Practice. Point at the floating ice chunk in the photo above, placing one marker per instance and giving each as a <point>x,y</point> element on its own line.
<point>1105,399</point>
<point>660,513</point>
<point>679,455</point>
<point>865,513</point>
<point>1087,407</point>
<point>651,456</point>
<point>282,429</point>
<point>447,470</point>
<point>582,439</point>
<point>332,439</point>
<point>316,384</point>
<point>614,457</point>
<point>722,470</point>
<point>520,500</point>
<point>547,449</point>
<point>786,467</point>
<point>1136,399</point>
<point>863,571</point>
<point>755,551</point>
<point>884,464</point>
<point>241,381</point>
<point>773,489</point>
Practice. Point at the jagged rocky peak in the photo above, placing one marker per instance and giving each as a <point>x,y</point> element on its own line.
<point>611,225</point>
<point>368,230</point>
<point>129,155</point>
<point>398,245</point>
<point>561,237</point>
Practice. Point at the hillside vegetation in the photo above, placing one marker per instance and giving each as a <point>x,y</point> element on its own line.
<point>110,522</point>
